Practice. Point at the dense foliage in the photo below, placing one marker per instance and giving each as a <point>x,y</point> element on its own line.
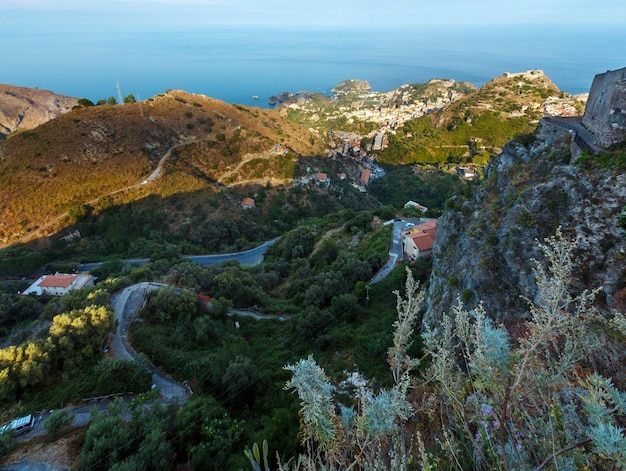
<point>546,395</point>
<point>430,188</point>
<point>65,362</point>
<point>74,337</point>
<point>458,139</point>
<point>236,360</point>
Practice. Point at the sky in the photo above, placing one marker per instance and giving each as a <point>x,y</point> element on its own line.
<point>48,15</point>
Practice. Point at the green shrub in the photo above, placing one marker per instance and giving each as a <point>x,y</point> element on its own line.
<point>56,422</point>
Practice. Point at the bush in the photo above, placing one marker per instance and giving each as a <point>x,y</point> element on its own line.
<point>56,422</point>
<point>501,402</point>
<point>7,443</point>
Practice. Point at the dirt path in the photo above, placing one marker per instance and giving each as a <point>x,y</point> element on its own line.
<point>153,176</point>
<point>247,158</point>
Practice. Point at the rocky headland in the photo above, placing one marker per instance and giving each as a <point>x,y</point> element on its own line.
<point>24,108</point>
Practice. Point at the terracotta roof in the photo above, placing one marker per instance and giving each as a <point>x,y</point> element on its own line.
<point>430,227</point>
<point>58,281</point>
<point>247,202</point>
<point>365,175</point>
<point>422,240</point>
<point>321,177</point>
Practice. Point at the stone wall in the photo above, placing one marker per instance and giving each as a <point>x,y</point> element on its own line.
<point>605,113</point>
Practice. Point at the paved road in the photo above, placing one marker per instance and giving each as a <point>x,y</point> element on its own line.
<point>127,304</point>
<point>248,257</point>
<point>576,128</point>
<point>395,251</point>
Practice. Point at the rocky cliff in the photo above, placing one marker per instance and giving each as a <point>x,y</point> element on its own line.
<point>26,108</point>
<point>487,239</point>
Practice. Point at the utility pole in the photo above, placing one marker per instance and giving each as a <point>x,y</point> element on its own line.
<point>119,93</point>
<point>140,107</point>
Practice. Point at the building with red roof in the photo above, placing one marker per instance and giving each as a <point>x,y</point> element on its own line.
<point>247,203</point>
<point>59,284</point>
<point>417,242</point>
<point>366,173</point>
<point>321,178</point>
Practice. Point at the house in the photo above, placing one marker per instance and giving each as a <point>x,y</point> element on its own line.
<point>366,173</point>
<point>466,172</point>
<point>413,204</point>
<point>342,176</point>
<point>418,241</point>
<point>247,203</point>
<point>59,284</point>
<point>321,178</point>
<point>71,237</point>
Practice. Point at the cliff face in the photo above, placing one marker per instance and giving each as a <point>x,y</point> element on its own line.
<point>26,108</point>
<point>487,240</point>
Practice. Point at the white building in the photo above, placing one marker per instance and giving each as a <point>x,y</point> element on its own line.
<point>413,204</point>
<point>59,284</point>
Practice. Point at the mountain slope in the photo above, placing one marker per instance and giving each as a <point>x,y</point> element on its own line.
<point>81,156</point>
<point>486,242</point>
<point>24,108</point>
<point>476,126</point>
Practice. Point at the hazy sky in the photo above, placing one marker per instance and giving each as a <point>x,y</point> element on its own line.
<point>149,14</point>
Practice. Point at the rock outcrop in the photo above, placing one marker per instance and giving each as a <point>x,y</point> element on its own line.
<point>486,241</point>
<point>26,108</point>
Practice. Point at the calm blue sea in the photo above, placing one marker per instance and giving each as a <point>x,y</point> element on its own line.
<point>235,63</point>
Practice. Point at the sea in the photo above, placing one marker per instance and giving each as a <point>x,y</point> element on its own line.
<point>237,64</point>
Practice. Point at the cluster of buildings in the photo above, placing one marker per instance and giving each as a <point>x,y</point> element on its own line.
<point>417,241</point>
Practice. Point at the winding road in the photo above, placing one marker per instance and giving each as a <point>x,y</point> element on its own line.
<point>127,304</point>
<point>247,257</point>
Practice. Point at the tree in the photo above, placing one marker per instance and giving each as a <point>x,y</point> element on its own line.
<point>114,375</point>
<point>372,437</point>
<point>56,422</point>
<point>168,303</point>
<point>130,99</point>
<point>78,213</point>
<point>486,400</point>
<point>85,103</point>
<point>7,442</point>
<point>240,381</point>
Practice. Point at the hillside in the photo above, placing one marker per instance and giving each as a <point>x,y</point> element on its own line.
<point>476,126</point>
<point>88,153</point>
<point>24,108</point>
<point>354,107</point>
<point>486,241</point>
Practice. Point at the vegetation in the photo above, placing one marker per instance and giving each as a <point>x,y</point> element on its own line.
<point>237,370</point>
<point>484,398</point>
<point>546,392</point>
<point>435,139</point>
<point>56,422</point>
<point>66,361</point>
<point>66,162</point>
<point>614,159</point>
<point>429,187</point>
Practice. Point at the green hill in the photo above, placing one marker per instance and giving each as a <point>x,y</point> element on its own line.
<point>475,127</point>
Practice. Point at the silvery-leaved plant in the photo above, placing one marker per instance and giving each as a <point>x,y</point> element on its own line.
<point>484,399</point>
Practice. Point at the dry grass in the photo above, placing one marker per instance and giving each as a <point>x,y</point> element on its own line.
<point>82,156</point>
